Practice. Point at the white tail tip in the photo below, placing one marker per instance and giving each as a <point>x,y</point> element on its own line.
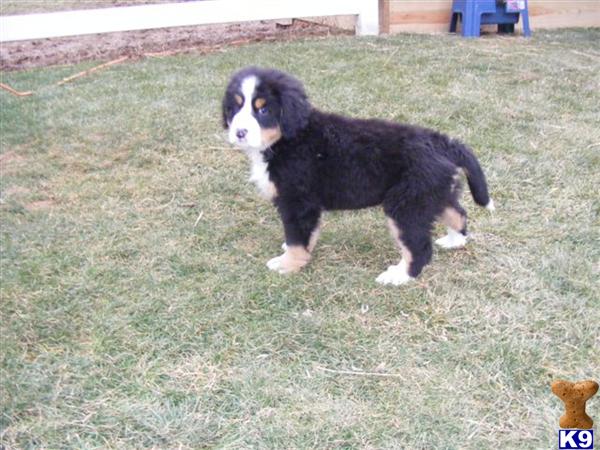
<point>490,206</point>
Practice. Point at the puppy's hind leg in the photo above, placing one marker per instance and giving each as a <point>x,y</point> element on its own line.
<point>414,241</point>
<point>455,219</point>
<point>397,274</point>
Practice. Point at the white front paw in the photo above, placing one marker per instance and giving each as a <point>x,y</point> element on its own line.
<point>294,259</point>
<point>275,263</point>
<point>282,265</point>
<point>284,246</point>
<point>395,275</point>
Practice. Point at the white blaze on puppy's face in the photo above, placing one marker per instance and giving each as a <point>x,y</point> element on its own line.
<point>246,133</point>
<point>244,129</point>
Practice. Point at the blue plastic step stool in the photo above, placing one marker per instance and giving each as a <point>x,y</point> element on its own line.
<point>474,13</point>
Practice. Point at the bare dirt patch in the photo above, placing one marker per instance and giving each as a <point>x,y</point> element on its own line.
<point>40,205</point>
<point>15,191</point>
<point>10,162</point>
<point>202,39</point>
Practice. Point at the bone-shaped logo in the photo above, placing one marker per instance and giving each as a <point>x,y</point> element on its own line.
<point>574,396</point>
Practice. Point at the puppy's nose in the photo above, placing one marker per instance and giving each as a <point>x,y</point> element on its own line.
<point>241,133</point>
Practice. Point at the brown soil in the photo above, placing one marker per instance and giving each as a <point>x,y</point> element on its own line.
<point>10,162</point>
<point>40,205</point>
<point>201,39</point>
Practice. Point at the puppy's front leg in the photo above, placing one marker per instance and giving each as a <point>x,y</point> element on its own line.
<point>292,260</point>
<point>301,228</point>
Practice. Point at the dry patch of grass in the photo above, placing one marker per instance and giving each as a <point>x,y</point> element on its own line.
<point>137,310</point>
<point>43,6</point>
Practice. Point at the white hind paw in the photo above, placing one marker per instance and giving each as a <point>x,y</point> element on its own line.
<point>452,240</point>
<point>395,275</point>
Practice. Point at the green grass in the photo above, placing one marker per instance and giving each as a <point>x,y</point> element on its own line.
<point>125,325</point>
<point>8,7</point>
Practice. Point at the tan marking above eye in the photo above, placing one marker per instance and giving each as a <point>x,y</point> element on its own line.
<point>238,99</point>
<point>259,102</point>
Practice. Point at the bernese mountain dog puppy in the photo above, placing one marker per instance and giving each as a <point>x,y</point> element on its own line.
<point>307,161</point>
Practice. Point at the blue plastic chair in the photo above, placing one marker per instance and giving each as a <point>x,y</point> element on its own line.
<point>474,13</point>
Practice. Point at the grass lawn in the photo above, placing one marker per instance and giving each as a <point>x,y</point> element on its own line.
<point>137,310</point>
<point>9,7</point>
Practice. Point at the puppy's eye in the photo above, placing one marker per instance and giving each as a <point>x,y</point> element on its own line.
<point>260,105</point>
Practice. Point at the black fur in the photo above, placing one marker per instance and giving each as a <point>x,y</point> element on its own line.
<point>328,162</point>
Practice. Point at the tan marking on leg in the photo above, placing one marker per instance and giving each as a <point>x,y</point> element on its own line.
<point>314,237</point>
<point>453,219</point>
<point>397,274</point>
<point>294,258</point>
<point>397,235</point>
<point>270,135</point>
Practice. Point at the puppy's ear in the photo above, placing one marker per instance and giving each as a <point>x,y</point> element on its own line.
<point>295,108</point>
<point>228,103</point>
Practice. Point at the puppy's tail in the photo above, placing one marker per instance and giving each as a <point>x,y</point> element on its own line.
<point>463,157</point>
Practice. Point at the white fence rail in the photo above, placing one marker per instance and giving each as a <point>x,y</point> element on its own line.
<point>126,18</point>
